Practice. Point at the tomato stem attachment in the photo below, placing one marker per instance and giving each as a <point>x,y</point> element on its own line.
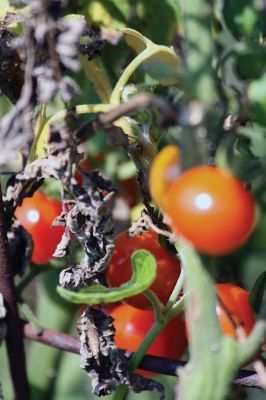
<point>176,291</point>
<point>162,316</point>
<point>157,307</point>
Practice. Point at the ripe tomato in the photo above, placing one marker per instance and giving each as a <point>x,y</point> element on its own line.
<point>164,170</point>
<point>132,325</point>
<point>236,301</point>
<point>120,269</point>
<point>36,215</point>
<point>210,208</point>
<point>130,190</point>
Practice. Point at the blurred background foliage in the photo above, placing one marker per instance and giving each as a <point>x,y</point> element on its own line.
<point>239,30</point>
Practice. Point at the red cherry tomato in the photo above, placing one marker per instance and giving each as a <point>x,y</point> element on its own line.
<point>120,269</point>
<point>236,301</point>
<point>36,215</point>
<point>130,190</point>
<point>132,325</point>
<point>210,208</point>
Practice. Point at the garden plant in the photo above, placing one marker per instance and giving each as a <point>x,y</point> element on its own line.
<point>132,199</point>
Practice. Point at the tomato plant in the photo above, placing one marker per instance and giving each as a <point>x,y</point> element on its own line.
<point>164,170</point>
<point>36,215</point>
<point>132,325</point>
<point>120,270</point>
<point>210,208</point>
<point>236,301</point>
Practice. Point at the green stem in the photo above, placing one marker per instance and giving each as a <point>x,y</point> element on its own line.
<point>157,307</point>
<point>162,316</point>
<point>156,328</point>
<point>176,292</point>
<point>137,357</point>
<point>150,51</point>
<point>177,308</point>
<point>200,302</point>
<point>29,315</point>
<point>27,279</point>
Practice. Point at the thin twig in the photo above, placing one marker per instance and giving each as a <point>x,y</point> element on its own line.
<point>159,365</point>
<point>142,100</point>
<point>168,111</point>
<point>14,338</point>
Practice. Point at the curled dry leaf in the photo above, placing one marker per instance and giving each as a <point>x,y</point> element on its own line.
<point>107,365</point>
<point>90,219</point>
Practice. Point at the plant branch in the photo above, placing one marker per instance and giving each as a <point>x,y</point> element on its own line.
<point>14,338</point>
<point>159,365</point>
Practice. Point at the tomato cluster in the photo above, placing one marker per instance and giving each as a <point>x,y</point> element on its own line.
<point>36,214</point>
<point>120,269</point>
<point>207,206</point>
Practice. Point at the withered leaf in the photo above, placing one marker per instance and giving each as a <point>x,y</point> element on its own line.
<point>107,365</point>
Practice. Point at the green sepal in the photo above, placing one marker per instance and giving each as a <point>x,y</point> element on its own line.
<point>144,273</point>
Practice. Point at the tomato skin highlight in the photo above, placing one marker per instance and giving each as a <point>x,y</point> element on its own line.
<point>211,209</point>
<point>119,270</point>
<point>36,214</point>
<point>132,325</point>
<point>236,301</point>
<point>164,170</point>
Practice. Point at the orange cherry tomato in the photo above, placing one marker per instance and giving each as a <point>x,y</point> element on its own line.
<point>164,170</point>
<point>132,325</point>
<point>236,301</point>
<point>36,215</point>
<point>120,269</point>
<point>211,209</point>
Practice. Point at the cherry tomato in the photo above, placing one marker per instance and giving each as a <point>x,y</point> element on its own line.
<point>120,269</point>
<point>130,190</point>
<point>236,301</point>
<point>164,170</point>
<point>36,215</point>
<point>132,325</point>
<point>210,208</point>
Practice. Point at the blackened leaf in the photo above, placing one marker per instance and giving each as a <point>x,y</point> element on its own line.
<point>144,274</point>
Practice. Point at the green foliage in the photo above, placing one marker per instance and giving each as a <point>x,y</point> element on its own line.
<point>143,275</point>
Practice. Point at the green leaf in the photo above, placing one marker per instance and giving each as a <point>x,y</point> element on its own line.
<point>257,293</point>
<point>244,18</point>
<point>5,7</point>
<point>144,273</point>
<point>256,94</point>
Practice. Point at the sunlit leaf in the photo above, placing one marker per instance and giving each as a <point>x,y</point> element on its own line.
<point>161,62</point>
